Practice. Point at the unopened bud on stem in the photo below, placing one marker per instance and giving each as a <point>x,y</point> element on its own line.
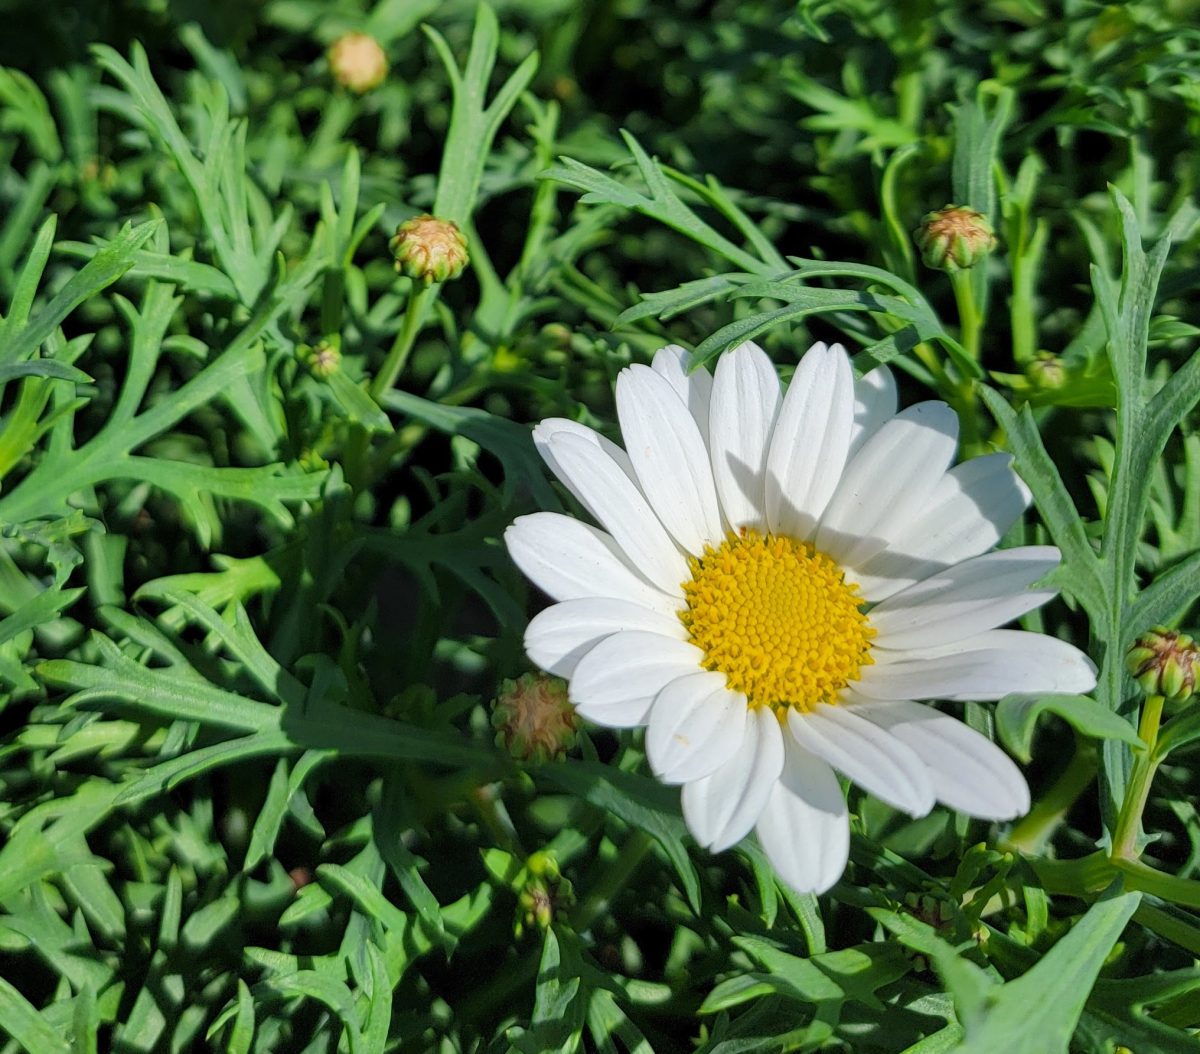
<point>534,719</point>
<point>954,238</point>
<point>429,250</point>
<point>1165,662</point>
<point>358,62</point>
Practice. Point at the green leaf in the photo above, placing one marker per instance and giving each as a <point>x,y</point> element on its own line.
<point>978,135</point>
<point>241,1032</point>
<point>645,805</point>
<point>557,1022</point>
<point>1037,1013</point>
<point>20,1020</point>
<point>1016,717</point>
<point>1081,576</point>
<point>510,442</point>
<point>59,371</point>
<point>101,271</point>
<point>29,113</point>
<point>473,126</point>
<point>282,790</point>
<point>660,203</point>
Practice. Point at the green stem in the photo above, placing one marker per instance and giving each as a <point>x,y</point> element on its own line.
<point>1084,877</point>
<point>414,317</point>
<point>1129,819</point>
<point>1034,831</point>
<point>1182,891</point>
<point>485,801</point>
<point>970,325</point>
<point>969,320</point>
<point>612,881</point>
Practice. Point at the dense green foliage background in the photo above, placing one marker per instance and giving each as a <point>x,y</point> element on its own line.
<point>254,621</point>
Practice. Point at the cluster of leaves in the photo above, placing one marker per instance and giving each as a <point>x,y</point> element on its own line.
<point>252,617</point>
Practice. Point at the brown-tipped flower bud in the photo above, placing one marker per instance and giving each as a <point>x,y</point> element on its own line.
<point>358,62</point>
<point>322,361</point>
<point>430,250</point>
<point>954,238</point>
<point>1165,662</point>
<point>534,719</point>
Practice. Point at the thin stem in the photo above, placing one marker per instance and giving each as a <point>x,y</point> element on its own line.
<point>612,881</point>
<point>1031,835</point>
<point>1129,819</point>
<point>414,317</point>
<point>969,320</point>
<point>970,325</point>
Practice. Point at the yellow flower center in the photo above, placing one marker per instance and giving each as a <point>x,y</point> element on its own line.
<point>778,619</point>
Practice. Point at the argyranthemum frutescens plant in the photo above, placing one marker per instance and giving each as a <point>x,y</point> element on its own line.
<point>780,576</point>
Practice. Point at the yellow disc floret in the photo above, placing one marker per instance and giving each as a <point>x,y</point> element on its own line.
<point>778,619</point>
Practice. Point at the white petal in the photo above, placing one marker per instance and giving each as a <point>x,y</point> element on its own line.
<point>745,400</point>
<point>696,725</point>
<point>974,596</point>
<point>876,761</point>
<point>614,499</point>
<point>721,808</point>
<point>569,560</point>
<point>551,426</point>
<point>969,511</point>
<point>811,441</point>
<point>888,482</point>
<point>875,402</point>
<point>986,666</point>
<point>969,772</point>
<point>694,389</point>
<point>804,828</point>
<point>615,683</point>
<point>557,638</point>
<point>670,458</point>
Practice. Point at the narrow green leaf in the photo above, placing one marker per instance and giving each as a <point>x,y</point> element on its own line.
<point>98,273</point>
<point>1037,1013</point>
<point>20,1019</point>
<point>1033,464</point>
<point>1016,717</point>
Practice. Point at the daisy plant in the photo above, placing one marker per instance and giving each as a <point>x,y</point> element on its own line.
<point>591,527</point>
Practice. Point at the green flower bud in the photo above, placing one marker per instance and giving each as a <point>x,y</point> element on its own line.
<point>430,250</point>
<point>1046,372</point>
<point>323,361</point>
<point>358,62</point>
<point>954,238</point>
<point>543,893</point>
<point>534,719</point>
<point>1165,662</point>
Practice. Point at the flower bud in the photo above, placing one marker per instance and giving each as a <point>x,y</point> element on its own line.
<point>543,893</point>
<point>323,361</point>
<point>358,62</point>
<point>429,249</point>
<point>954,238</point>
<point>533,718</point>
<point>1165,662</point>
<point>1047,372</point>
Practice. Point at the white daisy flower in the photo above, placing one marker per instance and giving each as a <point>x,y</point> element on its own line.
<point>776,578</point>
